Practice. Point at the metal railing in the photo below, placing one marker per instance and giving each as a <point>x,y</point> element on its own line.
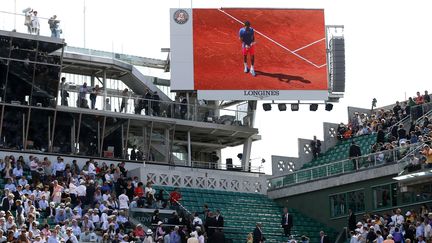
<point>10,21</point>
<point>342,167</point>
<point>133,104</point>
<point>418,111</point>
<point>215,165</point>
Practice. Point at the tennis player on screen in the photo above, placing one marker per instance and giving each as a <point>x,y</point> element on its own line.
<point>247,38</point>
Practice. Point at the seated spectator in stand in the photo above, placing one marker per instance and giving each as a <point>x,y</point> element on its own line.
<point>149,193</point>
<point>175,198</point>
<point>427,152</point>
<point>196,220</point>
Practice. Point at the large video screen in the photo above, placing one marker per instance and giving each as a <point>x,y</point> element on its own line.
<point>243,54</point>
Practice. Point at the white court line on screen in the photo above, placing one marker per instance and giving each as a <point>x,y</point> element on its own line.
<point>313,43</point>
<point>275,42</point>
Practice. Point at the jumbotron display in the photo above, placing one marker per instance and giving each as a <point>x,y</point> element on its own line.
<point>247,54</point>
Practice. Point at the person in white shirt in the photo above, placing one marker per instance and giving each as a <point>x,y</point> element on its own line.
<point>380,238</point>
<point>197,221</point>
<point>35,23</point>
<point>2,237</point>
<point>95,218</point>
<point>70,236</point>
<point>10,186</point>
<point>81,191</point>
<point>86,223</point>
<point>59,167</point>
<point>397,217</point>
<point>18,171</point>
<point>22,181</point>
<point>124,201</point>
<point>91,169</point>
<point>43,203</point>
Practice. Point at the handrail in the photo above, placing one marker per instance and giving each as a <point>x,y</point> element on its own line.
<point>136,97</point>
<point>342,236</point>
<point>181,205</point>
<point>17,26</point>
<point>421,119</point>
<point>327,167</point>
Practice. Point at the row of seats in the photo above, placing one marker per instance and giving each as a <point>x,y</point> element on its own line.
<point>242,210</point>
<point>341,150</point>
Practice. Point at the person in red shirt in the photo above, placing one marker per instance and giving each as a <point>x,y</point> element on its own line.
<point>139,191</point>
<point>175,197</point>
<point>138,232</point>
<point>419,99</point>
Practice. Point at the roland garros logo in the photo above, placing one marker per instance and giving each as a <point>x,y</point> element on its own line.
<point>181,16</point>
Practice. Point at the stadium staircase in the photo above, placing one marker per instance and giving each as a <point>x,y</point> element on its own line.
<point>241,211</point>
<point>341,151</point>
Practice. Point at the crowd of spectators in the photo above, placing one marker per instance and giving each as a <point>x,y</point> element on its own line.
<point>381,119</point>
<point>44,201</point>
<point>391,133</point>
<point>414,225</point>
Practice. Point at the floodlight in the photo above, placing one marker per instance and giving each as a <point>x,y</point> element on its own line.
<point>267,106</point>
<point>329,107</point>
<point>282,107</point>
<point>313,107</point>
<point>294,107</point>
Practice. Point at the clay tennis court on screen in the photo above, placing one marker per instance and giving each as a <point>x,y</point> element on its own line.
<point>290,51</point>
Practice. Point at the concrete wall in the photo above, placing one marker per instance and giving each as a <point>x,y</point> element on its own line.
<point>330,136</point>
<point>282,165</point>
<point>317,204</point>
<point>317,185</point>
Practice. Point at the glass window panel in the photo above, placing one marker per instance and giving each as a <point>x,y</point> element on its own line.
<point>338,205</point>
<point>23,49</point>
<point>14,121</point>
<point>19,83</point>
<point>45,86</point>
<point>39,130</point>
<point>5,44</point>
<point>63,135</point>
<point>3,77</point>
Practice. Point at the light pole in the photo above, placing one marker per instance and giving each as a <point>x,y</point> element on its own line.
<point>84,23</point>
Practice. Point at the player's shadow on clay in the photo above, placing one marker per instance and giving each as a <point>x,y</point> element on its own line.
<point>283,77</point>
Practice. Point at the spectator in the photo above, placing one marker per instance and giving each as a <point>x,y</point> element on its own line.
<point>123,105</point>
<point>258,235</point>
<point>35,23</point>
<point>175,236</point>
<point>93,96</point>
<point>82,101</point>
<point>354,154</point>
<point>156,104</point>
<point>54,26</point>
<point>107,104</point>
<point>426,97</point>
<point>427,152</point>
<point>149,237</point>
<point>287,222</point>
<point>315,147</point>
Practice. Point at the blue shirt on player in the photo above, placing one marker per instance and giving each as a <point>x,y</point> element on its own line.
<point>247,36</point>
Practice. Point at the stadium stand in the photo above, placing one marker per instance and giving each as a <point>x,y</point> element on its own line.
<point>340,151</point>
<point>242,210</point>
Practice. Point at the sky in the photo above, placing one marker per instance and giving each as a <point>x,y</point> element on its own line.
<point>387,49</point>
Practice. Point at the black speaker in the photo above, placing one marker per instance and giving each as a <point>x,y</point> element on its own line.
<point>229,163</point>
<point>337,49</point>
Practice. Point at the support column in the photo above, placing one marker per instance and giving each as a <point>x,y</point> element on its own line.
<point>104,90</point>
<point>247,145</point>
<point>167,146</point>
<point>189,149</point>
